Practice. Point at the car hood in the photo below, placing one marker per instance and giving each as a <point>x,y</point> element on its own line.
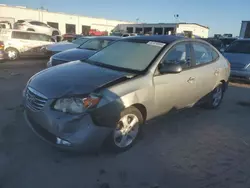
<point>61,46</point>
<point>74,54</point>
<point>74,78</point>
<point>234,58</point>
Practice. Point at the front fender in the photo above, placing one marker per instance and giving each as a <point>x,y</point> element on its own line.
<point>110,107</point>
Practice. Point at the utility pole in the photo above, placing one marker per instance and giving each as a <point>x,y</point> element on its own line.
<point>176,16</point>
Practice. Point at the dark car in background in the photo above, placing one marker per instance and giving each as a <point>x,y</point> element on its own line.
<point>217,43</point>
<point>238,54</point>
<point>82,52</point>
<point>64,45</point>
<point>227,41</point>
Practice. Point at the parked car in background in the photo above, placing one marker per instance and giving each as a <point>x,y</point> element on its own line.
<point>238,54</point>
<point>109,96</point>
<point>23,43</point>
<point>227,41</point>
<point>64,45</point>
<point>70,37</point>
<point>37,26</point>
<point>95,32</point>
<point>5,25</point>
<point>217,43</point>
<point>2,52</point>
<point>84,51</point>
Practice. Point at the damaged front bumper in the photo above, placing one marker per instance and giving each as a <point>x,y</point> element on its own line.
<point>66,131</point>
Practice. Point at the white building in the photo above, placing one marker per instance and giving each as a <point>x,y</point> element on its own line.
<point>166,28</point>
<point>64,22</point>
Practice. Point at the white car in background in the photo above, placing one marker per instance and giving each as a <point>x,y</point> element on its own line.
<point>37,26</point>
<point>24,43</point>
<point>65,45</point>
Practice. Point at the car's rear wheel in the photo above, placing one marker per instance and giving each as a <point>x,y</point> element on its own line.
<point>215,97</point>
<point>12,53</point>
<point>127,130</point>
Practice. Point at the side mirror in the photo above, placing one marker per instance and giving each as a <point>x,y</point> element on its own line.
<point>170,68</point>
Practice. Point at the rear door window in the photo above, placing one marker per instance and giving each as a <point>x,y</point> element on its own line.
<point>202,53</point>
<point>20,35</point>
<point>39,37</point>
<point>38,23</point>
<point>20,21</point>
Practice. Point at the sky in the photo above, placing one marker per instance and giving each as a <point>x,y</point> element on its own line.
<point>221,16</point>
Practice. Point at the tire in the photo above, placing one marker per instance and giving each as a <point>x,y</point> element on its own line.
<point>116,142</point>
<point>215,97</point>
<point>12,53</point>
<point>54,33</point>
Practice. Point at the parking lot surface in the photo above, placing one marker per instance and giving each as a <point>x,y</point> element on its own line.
<point>191,148</point>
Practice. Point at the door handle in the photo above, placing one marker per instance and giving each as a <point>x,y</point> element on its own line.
<point>191,80</point>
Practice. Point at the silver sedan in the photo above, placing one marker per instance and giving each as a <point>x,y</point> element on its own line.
<point>108,97</point>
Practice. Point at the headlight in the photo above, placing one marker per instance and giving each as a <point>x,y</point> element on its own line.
<point>76,105</point>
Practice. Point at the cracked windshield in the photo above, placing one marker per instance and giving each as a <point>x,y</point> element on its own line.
<point>142,94</point>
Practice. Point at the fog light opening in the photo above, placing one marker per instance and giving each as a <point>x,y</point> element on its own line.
<point>60,141</point>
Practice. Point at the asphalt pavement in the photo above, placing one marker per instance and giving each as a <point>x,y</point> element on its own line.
<point>192,148</point>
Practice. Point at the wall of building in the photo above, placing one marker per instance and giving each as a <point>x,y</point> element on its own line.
<point>18,13</point>
<point>123,27</point>
<point>196,29</point>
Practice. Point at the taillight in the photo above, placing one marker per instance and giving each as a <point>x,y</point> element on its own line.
<point>1,47</point>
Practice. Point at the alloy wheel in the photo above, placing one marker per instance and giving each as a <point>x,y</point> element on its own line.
<point>12,55</point>
<point>217,96</point>
<point>126,131</point>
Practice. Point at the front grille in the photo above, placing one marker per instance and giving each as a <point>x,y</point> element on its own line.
<point>35,100</point>
<point>55,62</point>
<point>237,66</point>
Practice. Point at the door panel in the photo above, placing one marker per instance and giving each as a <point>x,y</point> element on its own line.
<point>206,68</point>
<point>206,79</point>
<point>175,91</point>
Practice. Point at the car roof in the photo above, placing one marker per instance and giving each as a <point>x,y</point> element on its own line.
<point>156,38</point>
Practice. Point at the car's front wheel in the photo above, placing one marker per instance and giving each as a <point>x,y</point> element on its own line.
<point>215,97</point>
<point>127,130</point>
